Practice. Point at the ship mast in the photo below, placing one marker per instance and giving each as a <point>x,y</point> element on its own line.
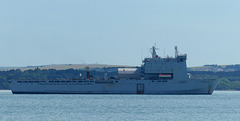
<point>176,52</point>
<point>154,54</point>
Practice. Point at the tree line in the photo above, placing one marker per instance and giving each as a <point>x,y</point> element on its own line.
<point>228,80</point>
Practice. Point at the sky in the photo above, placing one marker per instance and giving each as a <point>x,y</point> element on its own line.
<point>118,32</point>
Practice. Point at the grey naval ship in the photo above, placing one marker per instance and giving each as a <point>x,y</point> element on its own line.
<point>156,75</point>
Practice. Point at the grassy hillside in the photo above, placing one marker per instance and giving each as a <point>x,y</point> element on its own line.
<point>213,68</point>
<point>216,68</point>
<point>63,66</point>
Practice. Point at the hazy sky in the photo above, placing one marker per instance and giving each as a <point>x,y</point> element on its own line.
<point>40,32</point>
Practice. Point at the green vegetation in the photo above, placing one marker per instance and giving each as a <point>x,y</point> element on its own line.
<point>216,68</point>
<point>228,80</point>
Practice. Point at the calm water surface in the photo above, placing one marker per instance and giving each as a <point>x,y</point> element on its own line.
<point>222,105</point>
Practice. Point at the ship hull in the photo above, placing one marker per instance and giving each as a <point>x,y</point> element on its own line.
<point>170,87</point>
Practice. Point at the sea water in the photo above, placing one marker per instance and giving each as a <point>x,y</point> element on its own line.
<point>222,105</point>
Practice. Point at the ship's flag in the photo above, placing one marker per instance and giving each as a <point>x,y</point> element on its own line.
<point>165,75</point>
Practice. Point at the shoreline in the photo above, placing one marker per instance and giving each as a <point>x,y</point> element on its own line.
<point>226,90</point>
<point>2,90</point>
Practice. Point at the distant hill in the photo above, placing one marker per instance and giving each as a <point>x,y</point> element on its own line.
<point>8,68</point>
<point>216,68</point>
<point>213,68</point>
<point>63,66</point>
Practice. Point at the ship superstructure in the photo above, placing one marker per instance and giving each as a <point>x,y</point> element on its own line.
<point>156,76</point>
